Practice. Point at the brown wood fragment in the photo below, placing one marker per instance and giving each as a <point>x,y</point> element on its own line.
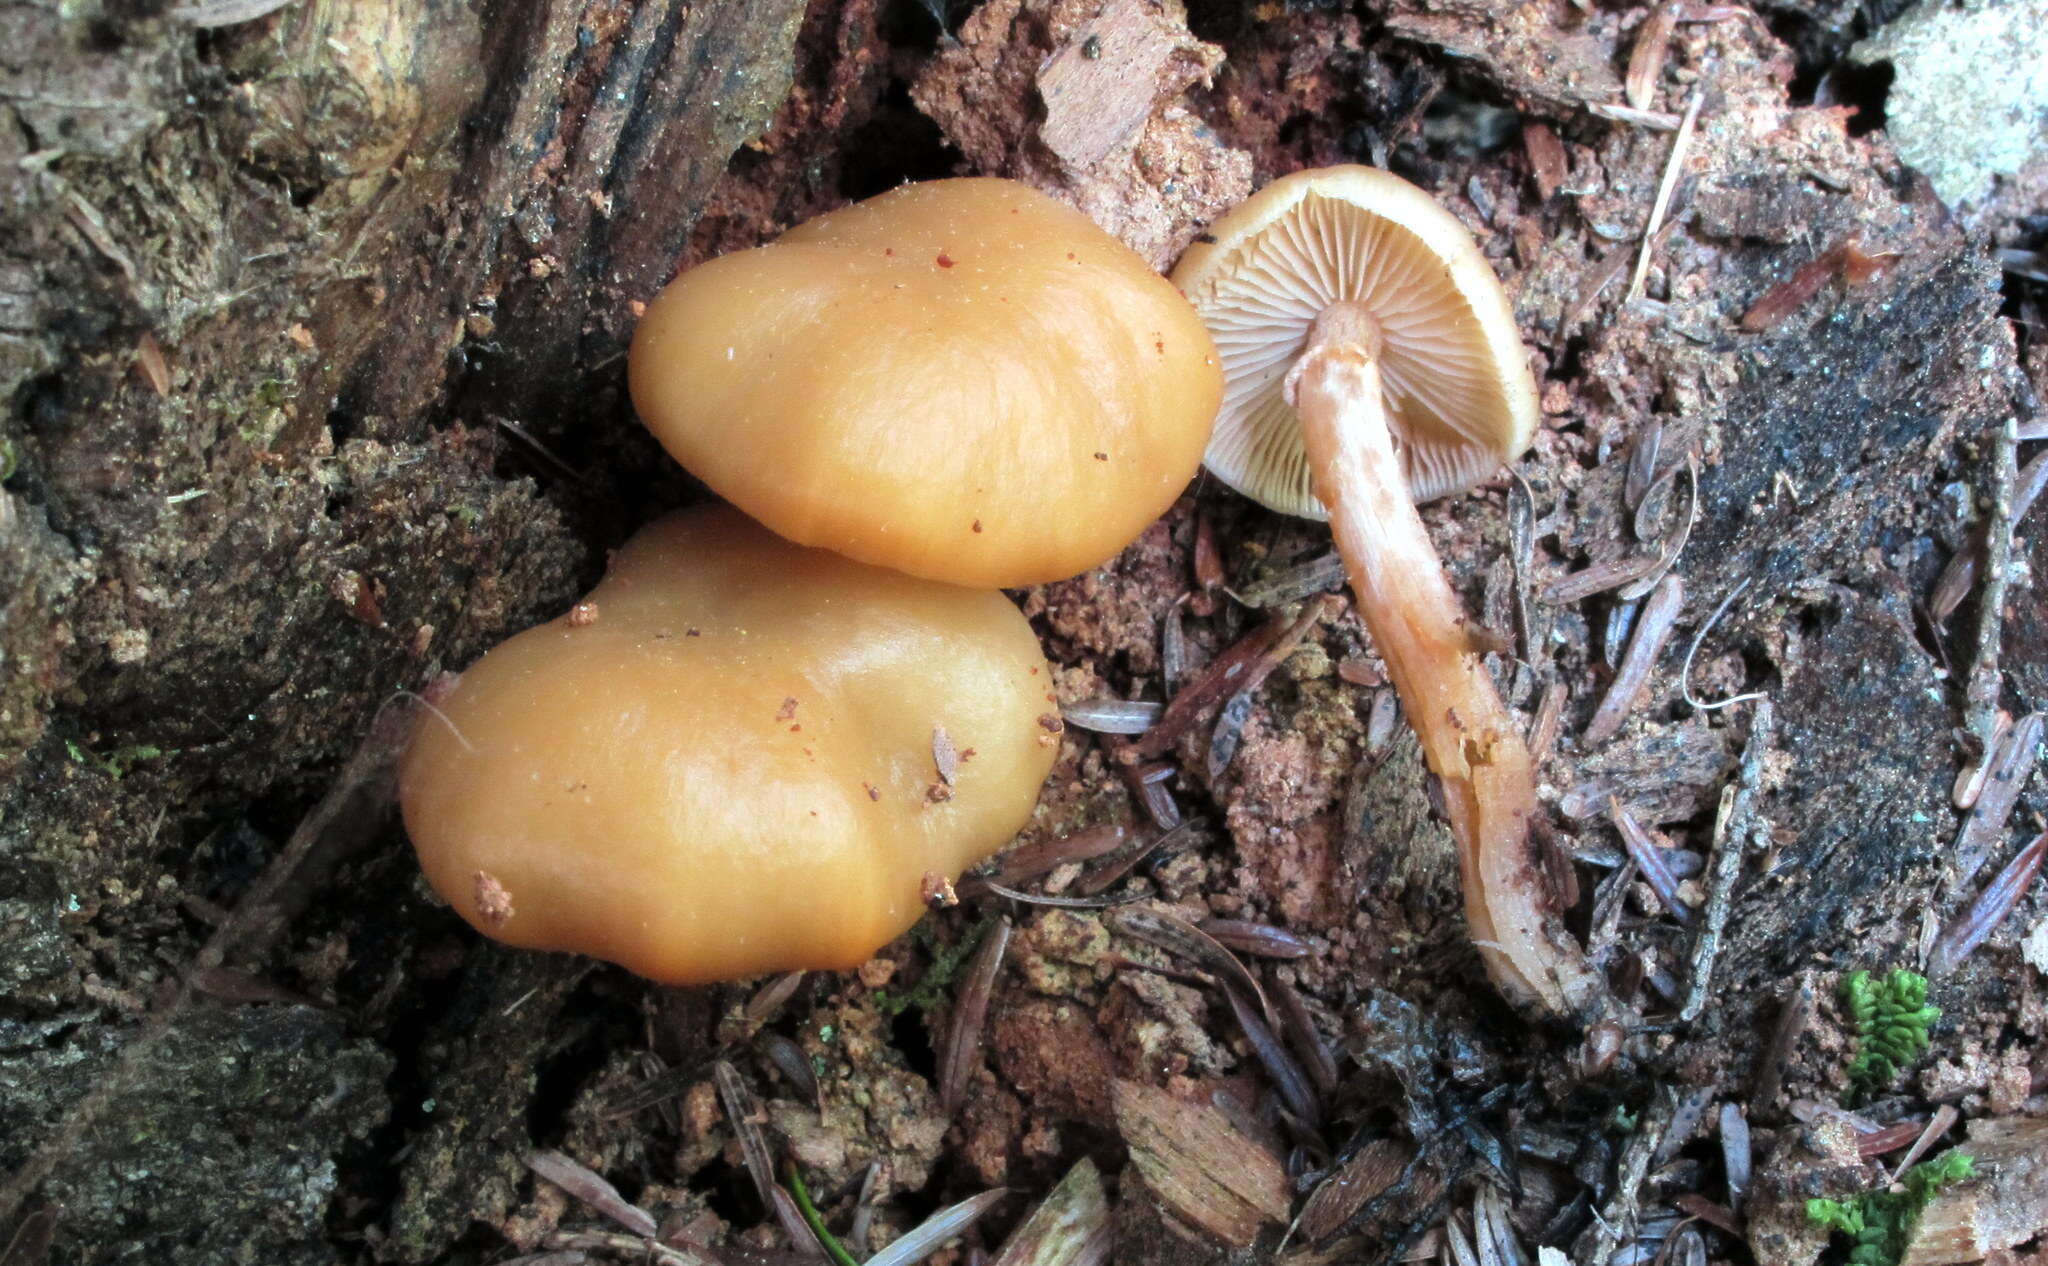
<point>1204,694</point>
<point>1068,1228</point>
<point>1208,562</point>
<point>1846,260</point>
<point>2004,1206</point>
<point>2009,764</point>
<point>1371,1170</point>
<point>1982,917</point>
<point>1105,82</point>
<point>1646,59</point>
<point>1028,861</point>
<point>1223,740</point>
<point>149,358</point>
<point>1201,1169</point>
<point>1546,159</point>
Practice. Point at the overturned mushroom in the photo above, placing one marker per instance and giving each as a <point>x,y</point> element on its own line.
<point>1371,360</point>
<point>961,379</point>
<point>730,770</point>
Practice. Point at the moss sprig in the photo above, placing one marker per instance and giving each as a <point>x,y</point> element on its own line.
<point>1881,1222</point>
<point>1891,1018</point>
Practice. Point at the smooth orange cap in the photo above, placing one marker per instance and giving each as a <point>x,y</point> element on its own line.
<point>722,762</point>
<point>964,379</point>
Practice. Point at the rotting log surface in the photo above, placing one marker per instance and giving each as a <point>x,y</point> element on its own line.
<point>264,290</point>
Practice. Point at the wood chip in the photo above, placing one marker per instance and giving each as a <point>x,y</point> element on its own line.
<point>1201,1169</point>
<point>945,757</point>
<point>2006,1205</point>
<point>149,358</point>
<point>1999,898</point>
<point>1646,59</point>
<point>1546,159</point>
<point>1846,260</point>
<point>1653,629</point>
<point>1372,1169</point>
<point>1070,1227</point>
<point>2010,764</point>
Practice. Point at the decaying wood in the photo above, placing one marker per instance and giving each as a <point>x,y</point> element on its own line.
<point>1202,1170</point>
<point>1070,1227</point>
<point>2004,1205</point>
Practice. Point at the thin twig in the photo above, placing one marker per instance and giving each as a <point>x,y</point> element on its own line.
<point>1792,1022</point>
<point>1980,700</point>
<point>1680,143</point>
<point>1731,841</point>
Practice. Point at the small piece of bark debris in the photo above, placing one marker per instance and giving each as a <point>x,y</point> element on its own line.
<point>1372,1169</point>
<point>1070,1227</point>
<point>936,891</point>
<point>1546,159</point>
<point>1846,260</point>
<point>1650,860</point>
<point>2008,765</point>
<point>1201,1169</point>
<point>1646,59</point>
<point>584,614</point>
<point>2004,1205</point>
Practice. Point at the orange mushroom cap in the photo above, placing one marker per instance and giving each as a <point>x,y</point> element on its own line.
<point>964,380</point>
<point>723,761</point>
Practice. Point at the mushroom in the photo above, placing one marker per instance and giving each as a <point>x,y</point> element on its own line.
<point>963,379</point>
<point>735,756</point>
<point>1371,360</point>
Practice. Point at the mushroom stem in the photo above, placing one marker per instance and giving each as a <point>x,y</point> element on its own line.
<point>1468,736</point>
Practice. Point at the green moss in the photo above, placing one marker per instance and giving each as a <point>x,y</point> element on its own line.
<point>947,960</point>
<point>1880,1223</point>
<point>1892,1019</point>
<point>116,763</point>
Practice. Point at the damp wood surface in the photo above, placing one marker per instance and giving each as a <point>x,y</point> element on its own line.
<point>312,334</point>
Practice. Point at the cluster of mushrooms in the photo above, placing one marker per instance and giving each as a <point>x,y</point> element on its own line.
<point>776,728</point>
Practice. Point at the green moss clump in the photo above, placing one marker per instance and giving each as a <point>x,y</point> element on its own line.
<point>1892,1020</point>
<point>1881,1222</point>
<point>931,989</point>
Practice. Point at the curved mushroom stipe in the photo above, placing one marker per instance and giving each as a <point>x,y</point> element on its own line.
<point>1469,738</point>
<point>1371,355</point>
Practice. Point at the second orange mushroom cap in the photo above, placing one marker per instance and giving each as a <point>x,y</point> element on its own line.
<point>963,379</point>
